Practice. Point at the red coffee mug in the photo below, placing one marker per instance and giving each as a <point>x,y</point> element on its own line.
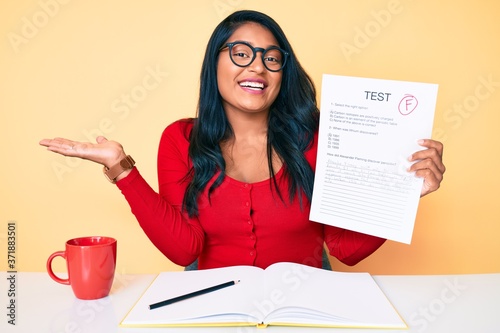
<point>91,263</point>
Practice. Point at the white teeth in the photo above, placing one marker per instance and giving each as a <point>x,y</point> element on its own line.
<point>257,85</point>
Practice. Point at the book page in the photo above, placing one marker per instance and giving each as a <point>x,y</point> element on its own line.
<point>226,305</point>
<point>303,295</point>
<point>368,129</point>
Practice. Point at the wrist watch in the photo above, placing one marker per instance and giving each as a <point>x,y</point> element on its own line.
<point>125,164</point>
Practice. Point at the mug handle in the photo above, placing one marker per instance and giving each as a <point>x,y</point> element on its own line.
<point>49,267</point>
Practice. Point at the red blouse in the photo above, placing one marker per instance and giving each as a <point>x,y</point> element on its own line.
<point>242,224</point>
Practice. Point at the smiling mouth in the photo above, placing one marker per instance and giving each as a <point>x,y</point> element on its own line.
<point>252,85</point>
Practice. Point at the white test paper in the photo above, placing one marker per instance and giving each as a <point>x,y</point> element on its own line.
<point>368,129</point>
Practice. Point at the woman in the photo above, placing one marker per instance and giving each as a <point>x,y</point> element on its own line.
<point>235,183</point>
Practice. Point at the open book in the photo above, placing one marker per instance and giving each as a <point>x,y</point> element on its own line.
<point>283,294</point>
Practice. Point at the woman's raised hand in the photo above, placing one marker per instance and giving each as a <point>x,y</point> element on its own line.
<point>105,152</point>
<point>429,165</point>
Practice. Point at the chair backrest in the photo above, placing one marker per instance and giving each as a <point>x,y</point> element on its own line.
<point>192,267</point>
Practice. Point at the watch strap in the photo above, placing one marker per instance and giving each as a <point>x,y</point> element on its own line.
<point>125,164</point>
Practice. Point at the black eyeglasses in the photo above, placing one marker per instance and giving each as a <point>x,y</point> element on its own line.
<point>243,54</point>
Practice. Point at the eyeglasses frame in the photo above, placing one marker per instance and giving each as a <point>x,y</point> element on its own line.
<point>255,50</point>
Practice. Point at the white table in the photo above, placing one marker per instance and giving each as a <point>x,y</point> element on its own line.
<point>437,303</point>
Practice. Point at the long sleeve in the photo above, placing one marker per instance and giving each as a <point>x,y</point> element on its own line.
<point>350,247</point>
<point>178,237</point>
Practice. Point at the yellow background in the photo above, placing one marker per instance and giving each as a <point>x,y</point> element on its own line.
<point>69,68</point>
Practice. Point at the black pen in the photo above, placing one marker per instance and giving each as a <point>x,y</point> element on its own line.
<point>193,294</point>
